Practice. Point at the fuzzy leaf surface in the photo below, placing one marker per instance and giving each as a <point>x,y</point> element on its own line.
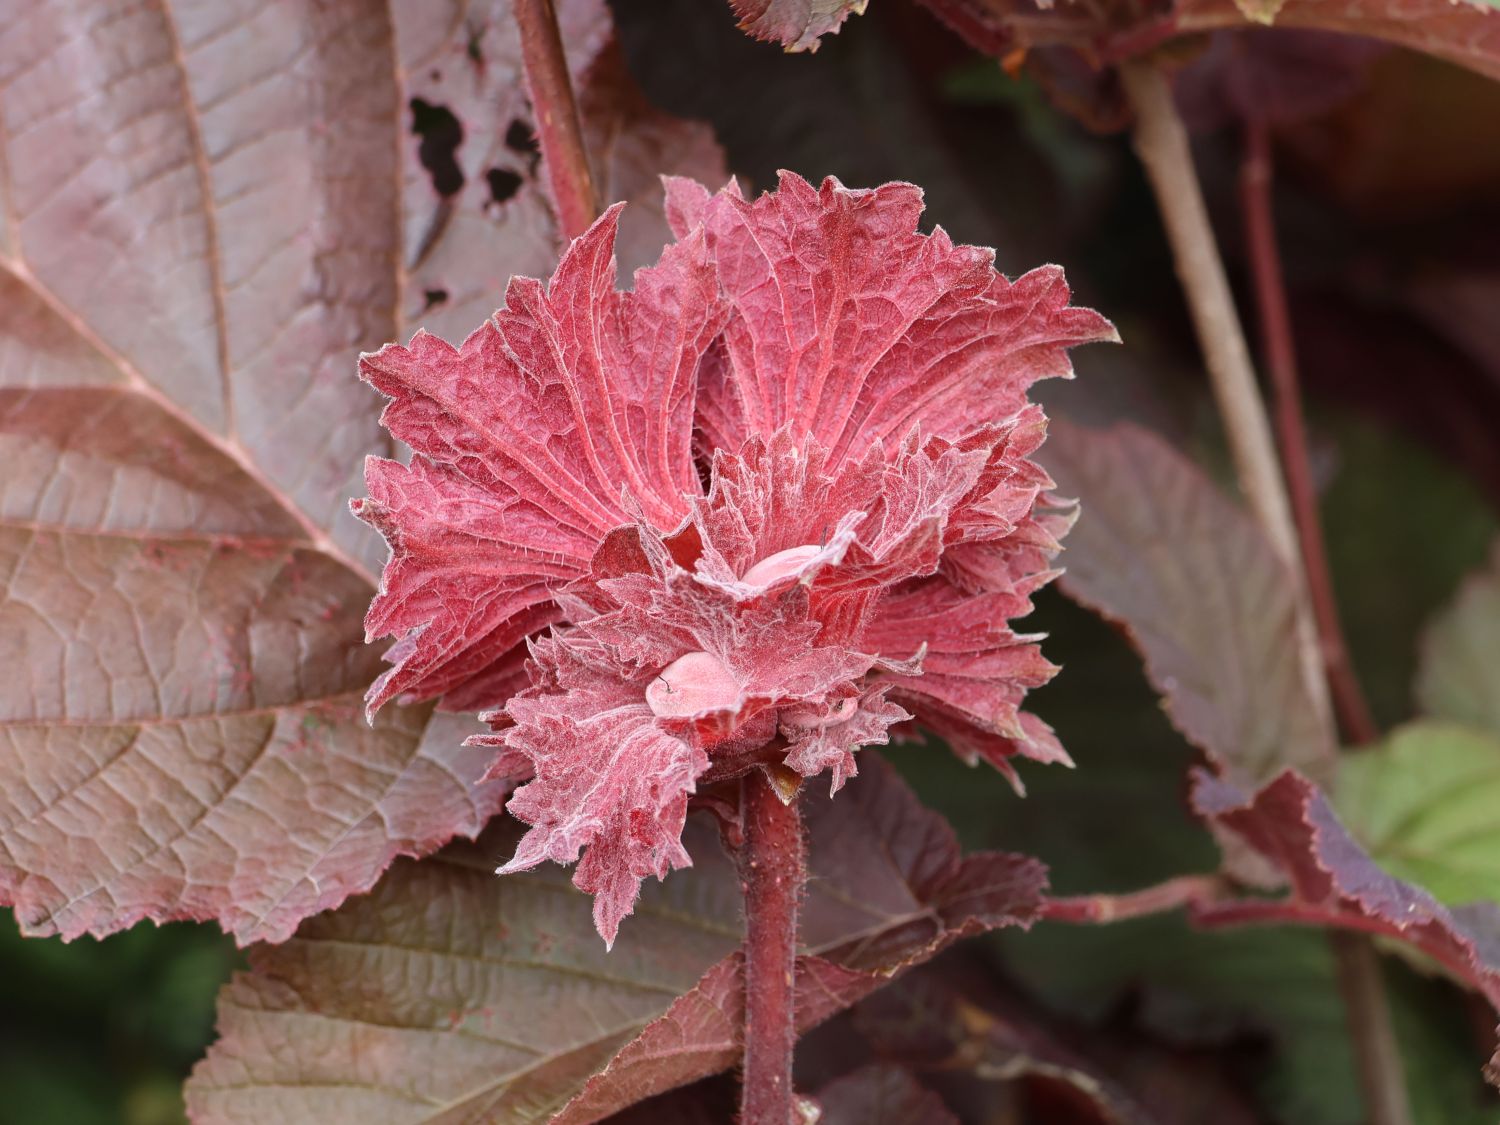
<point>1459,675</point>
<point>1160,551</point>
<point>500,1003</point>
<point>851,326</point>
<point>187,269</point>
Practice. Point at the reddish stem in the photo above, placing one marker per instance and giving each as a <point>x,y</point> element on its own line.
<point>774,869</point>
<point>1281,364</point>
<point>1103,909</point>
<point>559,131</point>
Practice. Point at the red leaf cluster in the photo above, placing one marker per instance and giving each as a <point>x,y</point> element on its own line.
<point>854,394</point>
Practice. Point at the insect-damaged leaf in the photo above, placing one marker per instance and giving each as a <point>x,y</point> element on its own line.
<point>1200,592</point>
<point>499,1002</point>
<point>187,268</point>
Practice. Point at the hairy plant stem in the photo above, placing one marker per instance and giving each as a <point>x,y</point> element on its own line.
<point>559,131</point>
<point>1280,358</point>
<point>1162,145</point>
<point>773,868</point>
<point>1101,909</point>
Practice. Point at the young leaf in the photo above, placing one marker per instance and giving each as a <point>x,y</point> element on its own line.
<point>1424,804</point>
<point>1199,591</point>
<point>432,1028</point>
<point>1459,676</point>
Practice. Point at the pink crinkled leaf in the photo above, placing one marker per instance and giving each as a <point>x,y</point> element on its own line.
<point>693,653</point>
<point>851,327</point>
<point>530,439</point>
<point>975,673</point>
<point>606,777</point>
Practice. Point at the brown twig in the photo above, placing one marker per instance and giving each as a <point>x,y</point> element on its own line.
<point>1280,356</point>
<point>1162,145</point>
<point>558,129</point>
<point>773,868</point>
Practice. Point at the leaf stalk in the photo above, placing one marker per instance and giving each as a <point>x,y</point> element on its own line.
<point>773,868</point>
<point>1280,357</point>
<point>558,127</point>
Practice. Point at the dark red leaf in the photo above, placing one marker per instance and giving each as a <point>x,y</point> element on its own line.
<point>881,1094</point>
<point>1200,592</point>
<point>796,24</point>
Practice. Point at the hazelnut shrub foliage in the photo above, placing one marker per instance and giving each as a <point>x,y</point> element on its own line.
<point>767,501</point>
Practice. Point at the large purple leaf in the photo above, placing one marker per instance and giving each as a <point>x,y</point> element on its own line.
<point>1200,592</point>
<point>204,222</point>
<point>498,1003</point>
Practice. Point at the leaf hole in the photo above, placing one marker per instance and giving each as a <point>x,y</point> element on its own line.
<point>441,135</point>
<point>503,184</point>
<point>432,298</point>
<point>521,137</point>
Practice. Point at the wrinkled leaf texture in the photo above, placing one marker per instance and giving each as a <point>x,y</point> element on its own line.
<point>207,212</point>
<point>429,1032</point>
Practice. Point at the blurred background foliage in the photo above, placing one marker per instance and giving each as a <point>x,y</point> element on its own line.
<point>1389,209</point>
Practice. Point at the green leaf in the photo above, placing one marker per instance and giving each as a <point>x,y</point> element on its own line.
<point>1459,674</point>
<point>1424,804</point>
